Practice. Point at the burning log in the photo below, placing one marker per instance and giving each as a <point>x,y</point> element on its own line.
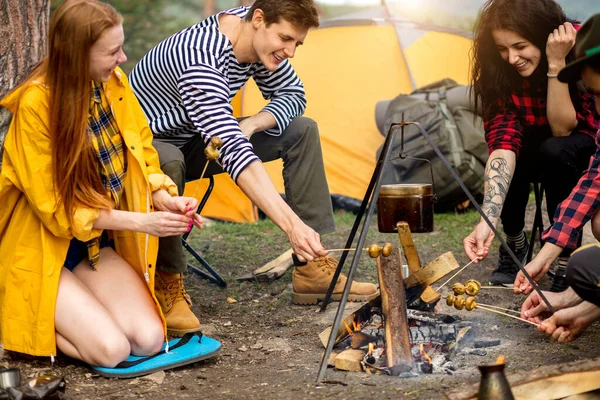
<point>393,304</point>
<point>427,275</point>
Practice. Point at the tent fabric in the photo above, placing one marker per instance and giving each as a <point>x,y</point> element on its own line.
<point>347,66</point>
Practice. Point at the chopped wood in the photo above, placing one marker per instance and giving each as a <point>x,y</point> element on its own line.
<point>393,305</point>
<point>350,360</point>
<point>272,270</point>
<point>433,271</point>
<point>429,274</point>
<point>547,382</point>
<point>429,295</point>
<point>408,246</point>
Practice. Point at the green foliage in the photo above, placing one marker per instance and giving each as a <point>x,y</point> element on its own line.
<point>147,22</point>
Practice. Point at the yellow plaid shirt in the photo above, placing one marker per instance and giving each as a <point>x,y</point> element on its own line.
<point>107,141</point>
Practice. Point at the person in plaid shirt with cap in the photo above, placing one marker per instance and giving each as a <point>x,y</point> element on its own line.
<point>537,128</point>
<point>578,306</point>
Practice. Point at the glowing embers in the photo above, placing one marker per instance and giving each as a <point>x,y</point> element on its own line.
<point>433,338</point>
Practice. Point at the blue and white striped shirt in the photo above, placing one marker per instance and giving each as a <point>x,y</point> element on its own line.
<point>186,83</point>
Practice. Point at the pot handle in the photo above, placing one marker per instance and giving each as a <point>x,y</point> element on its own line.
<point>403,156</point>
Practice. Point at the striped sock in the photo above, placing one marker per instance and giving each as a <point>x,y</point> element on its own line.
<point>517,242</point>
<point>561,266</point>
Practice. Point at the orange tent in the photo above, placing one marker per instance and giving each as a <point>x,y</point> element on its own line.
<point>347,66</point>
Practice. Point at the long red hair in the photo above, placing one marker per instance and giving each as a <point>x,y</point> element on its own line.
<point>75,26</point>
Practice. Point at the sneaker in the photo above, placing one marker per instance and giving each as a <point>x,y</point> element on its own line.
<point>506,269</point>
<point>311,281</point>
<point>559,283</point>
<point>175,304</point>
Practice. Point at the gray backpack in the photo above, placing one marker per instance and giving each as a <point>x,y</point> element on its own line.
<point>444,111</point>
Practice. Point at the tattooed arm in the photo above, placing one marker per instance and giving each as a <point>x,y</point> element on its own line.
<point>498,175</point>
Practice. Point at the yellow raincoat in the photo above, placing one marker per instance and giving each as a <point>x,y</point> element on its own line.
<point>34,232</point>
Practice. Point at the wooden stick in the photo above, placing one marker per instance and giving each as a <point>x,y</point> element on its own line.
<point>330,250</point>
<point>199,179</point>
<point>501,308</point>
<point>506,315</point>
<point>497,287</point>
<point>452,277</point>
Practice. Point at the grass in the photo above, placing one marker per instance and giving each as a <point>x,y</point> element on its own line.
<point>236,249</point>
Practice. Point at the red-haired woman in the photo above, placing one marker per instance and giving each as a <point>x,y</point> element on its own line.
<point>82,201</point>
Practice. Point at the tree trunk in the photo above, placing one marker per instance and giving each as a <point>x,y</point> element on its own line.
<point>25,24</point>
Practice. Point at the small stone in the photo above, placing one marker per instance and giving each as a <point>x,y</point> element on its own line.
<point>256,346</point>
<point>243,349</point>
<point>408,375</point>
<point>157,377</point>
<point>228,323</point>
<point>478,352</point>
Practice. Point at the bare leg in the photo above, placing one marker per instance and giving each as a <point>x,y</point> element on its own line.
<point>85,329</point>
<point>127,299</point>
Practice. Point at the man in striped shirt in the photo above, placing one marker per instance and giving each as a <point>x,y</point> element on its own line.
<point>185,85</point>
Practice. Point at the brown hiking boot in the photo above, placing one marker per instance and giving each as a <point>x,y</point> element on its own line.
<point>175,304</point>
<point>311,281</point>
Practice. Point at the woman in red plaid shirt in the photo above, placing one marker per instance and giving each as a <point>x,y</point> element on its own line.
<point>537,128</point>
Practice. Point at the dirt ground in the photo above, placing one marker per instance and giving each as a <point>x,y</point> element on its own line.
<point>271,349</point>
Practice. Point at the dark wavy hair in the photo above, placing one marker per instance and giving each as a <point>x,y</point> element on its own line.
<point>492,77</point>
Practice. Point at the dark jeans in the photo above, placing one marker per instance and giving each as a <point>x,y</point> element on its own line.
<point>556,162</point>
<point>583,273</point>
<point>306,189</point>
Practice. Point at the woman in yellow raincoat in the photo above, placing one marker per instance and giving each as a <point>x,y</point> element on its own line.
<point>82,201</point>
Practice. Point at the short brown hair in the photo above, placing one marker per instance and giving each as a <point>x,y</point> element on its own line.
<point>300,13</point>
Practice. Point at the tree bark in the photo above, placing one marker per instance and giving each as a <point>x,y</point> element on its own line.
<point>393,305</point>
<point>24,32</point>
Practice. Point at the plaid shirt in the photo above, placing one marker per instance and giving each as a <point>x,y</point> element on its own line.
<point>108,144</point>
<point>577,209</point>
<point>526,108</point>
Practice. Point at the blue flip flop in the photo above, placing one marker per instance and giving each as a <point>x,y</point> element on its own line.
<point>190,348</point>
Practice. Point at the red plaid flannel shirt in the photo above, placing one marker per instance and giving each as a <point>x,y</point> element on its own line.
<point>577,209</point>
<point>527,107</point>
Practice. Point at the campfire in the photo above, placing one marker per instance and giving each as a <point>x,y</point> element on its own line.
<point>398,333</point>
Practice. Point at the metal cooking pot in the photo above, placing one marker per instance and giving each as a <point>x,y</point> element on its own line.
<point>408,202</point>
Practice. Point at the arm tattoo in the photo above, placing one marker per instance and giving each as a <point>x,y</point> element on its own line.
<point>497,182</point>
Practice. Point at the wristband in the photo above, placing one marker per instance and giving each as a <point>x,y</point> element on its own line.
<point>552,75</point>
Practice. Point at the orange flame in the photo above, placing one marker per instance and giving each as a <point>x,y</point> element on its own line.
<point>371,348</point>
<point>423,353</point>
<point>500,360</point>
<point>348,328</point>
<point>356,326</point>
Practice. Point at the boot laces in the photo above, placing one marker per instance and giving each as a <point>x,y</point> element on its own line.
<point>174,290</point>
<point>326,263</point>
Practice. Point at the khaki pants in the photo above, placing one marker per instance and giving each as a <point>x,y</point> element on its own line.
<point>306,189</point>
